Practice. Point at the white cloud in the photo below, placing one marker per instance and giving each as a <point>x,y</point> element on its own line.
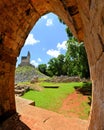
<point>48,19</point>
<point>56,53</point>
<point>45,17</point>
<point>62,46</point>
<point>33,62</point>
<point>49,22</point>
<point>31,40</point>
<point>39,60</point>
<point>53,53</point>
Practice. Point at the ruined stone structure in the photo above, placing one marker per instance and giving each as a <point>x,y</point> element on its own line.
<point>85,18</point>
<point>25,60</point>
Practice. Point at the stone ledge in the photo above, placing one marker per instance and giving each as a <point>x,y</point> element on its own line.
<point>24,101</point>
<point>13,123</point>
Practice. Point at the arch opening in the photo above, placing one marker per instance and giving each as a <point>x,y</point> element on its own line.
<point>38,40</point>
<point>19,38</point>
<point>84,24</point>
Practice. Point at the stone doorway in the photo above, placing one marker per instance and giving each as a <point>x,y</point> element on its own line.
<point>86,21</point>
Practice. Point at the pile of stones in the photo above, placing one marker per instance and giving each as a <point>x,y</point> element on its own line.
<point>21,89</point>
<point>34,80</point>
<point>66,79</point>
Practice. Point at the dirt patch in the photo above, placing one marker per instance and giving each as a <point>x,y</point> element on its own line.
<point>74,106</point>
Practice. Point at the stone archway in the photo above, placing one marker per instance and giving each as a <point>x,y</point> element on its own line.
<point>86,21</point>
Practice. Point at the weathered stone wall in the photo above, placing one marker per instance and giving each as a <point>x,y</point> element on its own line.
<point>16,20</point>
<point>65,79</point>
<point>7,101</point>
<point>85,19</point>
<point>25,59</point>
<point>92,13</point>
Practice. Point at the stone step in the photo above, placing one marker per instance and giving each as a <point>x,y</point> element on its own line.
<point>40,119</point>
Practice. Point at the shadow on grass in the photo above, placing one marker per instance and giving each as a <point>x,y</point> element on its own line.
<point>51,86</point>
<point>86,89</point>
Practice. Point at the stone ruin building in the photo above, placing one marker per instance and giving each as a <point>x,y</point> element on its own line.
<point>85,18</point>
<point>25,60</point>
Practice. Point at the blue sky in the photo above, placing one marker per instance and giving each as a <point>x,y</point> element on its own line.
<point>46,40</point>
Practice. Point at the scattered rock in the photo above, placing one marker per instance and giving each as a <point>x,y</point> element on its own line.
<point>66,79</point>
<point>34,80</point>
<point>20,89</point>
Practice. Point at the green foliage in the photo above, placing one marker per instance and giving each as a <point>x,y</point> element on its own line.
<point>42,68</point>
<point>85,113</point>
<point>53,67</point>
<point>56,66</point>
<point>24,69</point>
<point>76,59</point>
<point>69,34</point>
<point>73,63</point>
<point>61,20</point>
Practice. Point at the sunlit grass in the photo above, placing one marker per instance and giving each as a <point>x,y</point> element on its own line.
<point>51,98</point>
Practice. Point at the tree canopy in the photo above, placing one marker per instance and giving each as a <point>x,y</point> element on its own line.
<point>73,63</point>
<point>76,59</point>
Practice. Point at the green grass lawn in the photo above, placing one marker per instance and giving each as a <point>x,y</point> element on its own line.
<point>51,98</point>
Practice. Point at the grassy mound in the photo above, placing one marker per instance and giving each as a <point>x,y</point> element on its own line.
<point>26,73</point>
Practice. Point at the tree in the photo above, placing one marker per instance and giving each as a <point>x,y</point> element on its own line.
<point>69,34</point>
<point>56,66</point>
<point>52,67</point>
<point>74,62</point>
<point>42,68</point>
<point>61,65</point>
<point>76,59</point>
